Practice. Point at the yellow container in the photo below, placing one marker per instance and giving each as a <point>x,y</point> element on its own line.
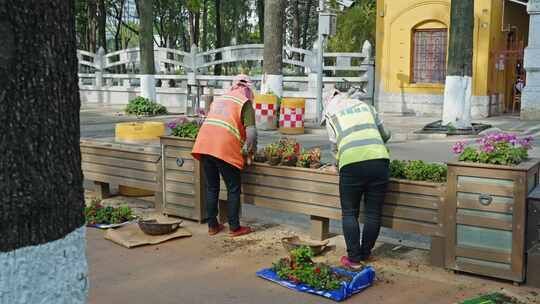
<point>266,111</point>
<point>138,132</point>
<point>291,116</point>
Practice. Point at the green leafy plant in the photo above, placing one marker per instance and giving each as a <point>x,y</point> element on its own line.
<point>185,128</point>
<point>144,106</point>
<point>418,170</point>
<point>300,268</point>
<point>98,214</point>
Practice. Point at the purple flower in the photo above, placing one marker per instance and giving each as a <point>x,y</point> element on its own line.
<point>458,147</point>
<point>171,125</point>
<point>488,148</point>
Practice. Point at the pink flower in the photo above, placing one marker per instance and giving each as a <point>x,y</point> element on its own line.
<point>458,147</point>
<point>171,125</point>
<point>488,148</point>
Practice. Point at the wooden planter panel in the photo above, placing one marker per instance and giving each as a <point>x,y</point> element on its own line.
<point>486,218</point>
<point>182,194</point>
<point>135,166</point>
<point>414,207</point>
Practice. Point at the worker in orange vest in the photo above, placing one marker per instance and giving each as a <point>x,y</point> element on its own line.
<point>227,134</point>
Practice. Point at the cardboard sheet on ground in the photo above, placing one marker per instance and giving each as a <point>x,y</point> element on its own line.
<point>131,236</point>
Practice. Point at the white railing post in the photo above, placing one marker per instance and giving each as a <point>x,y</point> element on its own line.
<point>368,61</point>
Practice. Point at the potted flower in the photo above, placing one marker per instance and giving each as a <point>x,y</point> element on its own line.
<point>488,187</point>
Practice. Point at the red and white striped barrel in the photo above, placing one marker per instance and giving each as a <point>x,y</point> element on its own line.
<point>291,116</point>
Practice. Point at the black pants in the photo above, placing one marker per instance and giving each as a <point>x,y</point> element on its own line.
<point>213,167</point>
<point>367,179</point>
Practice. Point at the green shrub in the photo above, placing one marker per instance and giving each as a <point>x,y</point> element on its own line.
<point>418,170</point>
<point>144,106</point>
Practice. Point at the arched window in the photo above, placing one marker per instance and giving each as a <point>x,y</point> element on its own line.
<point>429,47</point>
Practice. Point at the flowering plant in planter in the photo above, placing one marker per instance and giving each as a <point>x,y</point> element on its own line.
<point>495,148</point>
<point>185,127</point>
<point>299,268</point>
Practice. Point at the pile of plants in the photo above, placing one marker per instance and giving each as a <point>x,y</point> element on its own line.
<point>299,268</point>
<point>97,214</point>
<point>288,152</point>
<point>417,170</point>
<point>185,128</point>
<point>144,107</point>
<point>496,149</point>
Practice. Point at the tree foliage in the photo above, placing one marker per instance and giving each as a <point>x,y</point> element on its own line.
<point>182,23</point>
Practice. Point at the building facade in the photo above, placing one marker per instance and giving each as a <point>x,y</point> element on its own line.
<point>412,41</point>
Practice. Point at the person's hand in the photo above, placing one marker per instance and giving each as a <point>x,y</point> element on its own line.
<point>331,169</point>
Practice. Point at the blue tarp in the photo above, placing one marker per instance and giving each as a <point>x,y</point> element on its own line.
<point>361,280</point>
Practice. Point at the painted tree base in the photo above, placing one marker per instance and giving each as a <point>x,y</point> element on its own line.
<point>55,272</point>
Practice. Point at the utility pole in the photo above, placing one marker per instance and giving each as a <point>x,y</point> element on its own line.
<point>327,27</point>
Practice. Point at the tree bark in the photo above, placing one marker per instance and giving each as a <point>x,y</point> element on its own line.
<point>296,26</point>
<point>41,193</point>
<point>92,25</point>
<point>458,86</point>
<point>273,46</point>
<point>219,42</point>
<point>260,14</point>
<point>204,40</point>
<point>309,6</point>
<point>147,37</point>
<point>102,21</point>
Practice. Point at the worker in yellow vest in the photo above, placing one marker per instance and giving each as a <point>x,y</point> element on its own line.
<point>227,134</point>
<point>358,138</point>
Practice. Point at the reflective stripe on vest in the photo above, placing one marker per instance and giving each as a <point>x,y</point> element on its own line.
<point>221,123</point>
<point>358,137</point>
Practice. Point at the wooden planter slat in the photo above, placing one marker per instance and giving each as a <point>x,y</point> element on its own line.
<point>291,184</point>
<point>145,156</point>
<point>494,242</point>
<point>484,222</point>
<point>490,255</point>
<point>182,182</point>
<point>120,172</point>
<point>413,200</point>
<point>151,166</point>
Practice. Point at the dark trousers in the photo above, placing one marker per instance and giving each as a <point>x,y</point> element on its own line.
<point>213,167</point>
<point>368,180</point>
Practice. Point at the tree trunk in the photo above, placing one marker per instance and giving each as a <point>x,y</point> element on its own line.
<point>458,87</point>
<point>296,26</point>
<point>92,25</point>
<point>42,243</point>
<point>309,6</point>
<point>102,21</point>
<point>148,87</point>
<point>273,47</point>
<point>219,42</point>
<point>204,40</point>
<point>260,14</point>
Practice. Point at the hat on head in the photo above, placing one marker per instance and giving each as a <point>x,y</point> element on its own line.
<point>242,79</point>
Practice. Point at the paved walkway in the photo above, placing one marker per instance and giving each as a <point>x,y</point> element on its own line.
<point>221,270</point>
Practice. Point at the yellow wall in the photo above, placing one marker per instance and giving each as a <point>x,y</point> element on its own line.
<point>396,20</point>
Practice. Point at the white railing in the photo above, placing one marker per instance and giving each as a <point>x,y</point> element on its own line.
<point>99,84</point>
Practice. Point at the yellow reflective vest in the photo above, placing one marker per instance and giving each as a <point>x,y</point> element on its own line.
<point>357,134</point>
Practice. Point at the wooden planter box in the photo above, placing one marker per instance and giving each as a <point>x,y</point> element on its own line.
<point>486,211</point>
<point>415,207</point>
<point>135,166</point>
<point>182,183</point>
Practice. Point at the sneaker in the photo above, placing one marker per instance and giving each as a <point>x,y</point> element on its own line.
<point>241,231</point>
<point>346,262</point>
<point>215,230</point>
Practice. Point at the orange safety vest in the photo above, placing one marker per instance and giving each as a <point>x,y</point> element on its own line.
<point>223,134</point>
